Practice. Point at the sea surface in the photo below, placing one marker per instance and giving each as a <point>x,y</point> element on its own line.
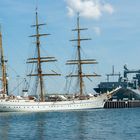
<point>98,124</point>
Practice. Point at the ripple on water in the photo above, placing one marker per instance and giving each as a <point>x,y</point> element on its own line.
<point>100,124</point>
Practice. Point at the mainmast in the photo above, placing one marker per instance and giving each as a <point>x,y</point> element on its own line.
<point>79,62</point>
<point>79,58</point>
<point>39,60</point>
<point>3,68</point>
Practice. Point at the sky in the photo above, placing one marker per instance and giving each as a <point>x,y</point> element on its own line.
<point>113,26</point>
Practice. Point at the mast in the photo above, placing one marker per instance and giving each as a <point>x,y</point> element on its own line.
<point>112,74</point>
<point>3,67</point>
<point>79,58</point>
<point>39,59</point>
<point>79,62</point>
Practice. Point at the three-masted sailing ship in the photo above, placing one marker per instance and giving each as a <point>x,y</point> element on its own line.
<point>51,103</point>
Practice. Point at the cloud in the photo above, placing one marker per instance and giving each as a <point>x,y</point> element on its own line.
<point>97,30</point>
<point>88,8</point>
<point>70,11</point>
<point>108,8</point>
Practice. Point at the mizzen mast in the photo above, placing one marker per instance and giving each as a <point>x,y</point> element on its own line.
<point>3,68</point>
<point>39,59</point>
<point>79,62</point>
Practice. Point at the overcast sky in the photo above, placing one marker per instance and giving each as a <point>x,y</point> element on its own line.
<point>113,26</point>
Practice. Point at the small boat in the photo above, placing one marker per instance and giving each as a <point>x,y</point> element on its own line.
<point>81,101</point>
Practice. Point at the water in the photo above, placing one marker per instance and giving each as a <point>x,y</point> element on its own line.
<point>102,124</point>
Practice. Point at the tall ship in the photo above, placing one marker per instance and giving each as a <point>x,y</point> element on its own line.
<point>130,85</point>
<point>46,102</point>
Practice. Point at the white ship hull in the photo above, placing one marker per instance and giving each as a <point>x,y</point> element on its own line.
<point>32,106</point>
<point>20,105</point>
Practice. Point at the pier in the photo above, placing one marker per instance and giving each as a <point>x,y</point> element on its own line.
<point>122,104</point>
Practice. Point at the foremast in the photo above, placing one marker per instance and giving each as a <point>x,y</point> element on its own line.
<point>39,59</point>
<point>79,62</point>
<point>3,68</point>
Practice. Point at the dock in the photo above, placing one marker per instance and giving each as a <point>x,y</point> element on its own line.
<point>122,104</point>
